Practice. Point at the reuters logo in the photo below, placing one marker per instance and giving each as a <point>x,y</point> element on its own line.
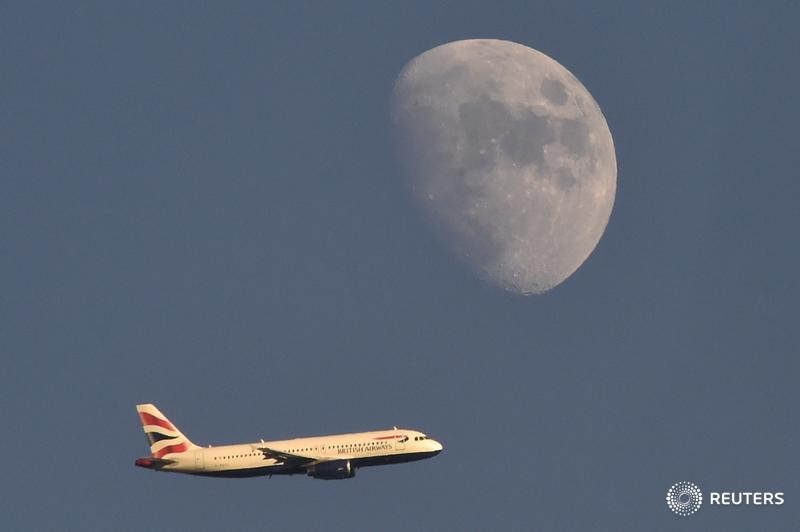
<point>684,498</point>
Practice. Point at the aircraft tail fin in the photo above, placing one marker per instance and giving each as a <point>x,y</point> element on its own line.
<point>164,437</point>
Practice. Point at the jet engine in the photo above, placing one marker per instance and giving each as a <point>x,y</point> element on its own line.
<point>333,470</point>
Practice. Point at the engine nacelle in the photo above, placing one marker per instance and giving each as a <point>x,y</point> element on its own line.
<point>333,470</point>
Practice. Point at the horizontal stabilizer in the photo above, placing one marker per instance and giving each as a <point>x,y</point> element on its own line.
<point>153,463</point>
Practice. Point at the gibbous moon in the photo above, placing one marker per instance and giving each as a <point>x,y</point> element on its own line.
<point>509,156</point>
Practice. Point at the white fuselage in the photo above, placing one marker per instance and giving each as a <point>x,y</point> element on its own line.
<point>249,459</point>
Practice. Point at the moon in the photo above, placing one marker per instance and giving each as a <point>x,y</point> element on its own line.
<point>509,157</point>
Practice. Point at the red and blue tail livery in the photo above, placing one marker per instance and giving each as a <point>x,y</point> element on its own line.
<point>164,437</point>
<point>326,457</point>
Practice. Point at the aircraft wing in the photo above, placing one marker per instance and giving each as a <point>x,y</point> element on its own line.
<point>286,458</point>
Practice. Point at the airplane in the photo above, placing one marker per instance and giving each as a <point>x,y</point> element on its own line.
<point>324,457</point>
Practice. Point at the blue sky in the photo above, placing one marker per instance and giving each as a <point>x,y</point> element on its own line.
<point>200,208</point>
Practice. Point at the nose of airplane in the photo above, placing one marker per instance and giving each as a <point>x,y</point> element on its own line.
<point>435,446</point>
